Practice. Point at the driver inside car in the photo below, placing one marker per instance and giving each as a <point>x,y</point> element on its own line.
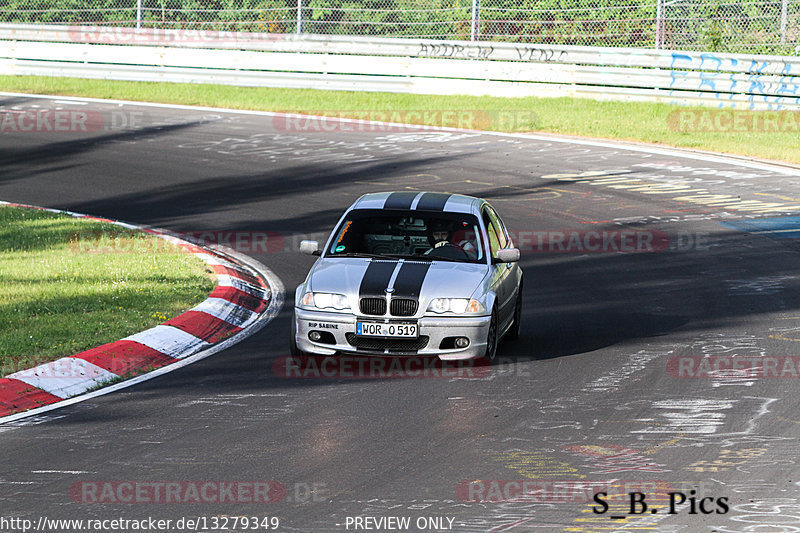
<point>443,235</point>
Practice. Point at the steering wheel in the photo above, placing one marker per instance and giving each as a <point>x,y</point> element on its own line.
<point>448,251</point>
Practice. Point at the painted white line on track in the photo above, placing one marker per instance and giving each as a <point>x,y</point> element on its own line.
<point>73,472</point>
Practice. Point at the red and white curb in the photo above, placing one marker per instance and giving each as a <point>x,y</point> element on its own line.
<point>247,296</point>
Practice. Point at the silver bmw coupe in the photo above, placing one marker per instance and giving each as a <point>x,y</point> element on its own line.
<point>411,273</point>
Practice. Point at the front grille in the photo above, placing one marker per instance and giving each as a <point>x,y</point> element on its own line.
<point>398,307</point>
<point>403,307</point>
<point>393,345</point>
<point>373,306</point>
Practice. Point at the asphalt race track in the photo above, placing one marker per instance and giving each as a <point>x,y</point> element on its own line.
<point>634,273</point>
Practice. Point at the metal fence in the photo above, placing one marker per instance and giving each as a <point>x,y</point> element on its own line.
<point>750,26</point>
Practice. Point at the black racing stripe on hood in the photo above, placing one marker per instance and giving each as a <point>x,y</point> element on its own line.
<point>433,201</point>
<point>376,279</point>
<point>400,200</point>
<point>408,283</point>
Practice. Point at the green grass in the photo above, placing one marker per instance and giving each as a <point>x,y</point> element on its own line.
<point>70,284</point>
<point>628,121</point>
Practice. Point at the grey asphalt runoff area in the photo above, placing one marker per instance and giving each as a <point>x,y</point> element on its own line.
<point>633,282</point>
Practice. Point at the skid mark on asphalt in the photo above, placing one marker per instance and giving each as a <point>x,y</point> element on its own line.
<point>637,362</point>
<point>729,346</point>
<point>422,182</point>
<point>310,149</point>
<point>706,421</point>
<point>763,285</point>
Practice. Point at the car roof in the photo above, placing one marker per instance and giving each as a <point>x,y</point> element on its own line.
<point>420,201</point>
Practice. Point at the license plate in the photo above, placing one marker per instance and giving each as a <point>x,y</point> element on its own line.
<point>379,329</point>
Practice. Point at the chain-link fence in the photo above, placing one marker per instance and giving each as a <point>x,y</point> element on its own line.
<point>755,26</point>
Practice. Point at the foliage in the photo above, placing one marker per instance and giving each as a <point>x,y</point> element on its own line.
<point>713,25</point>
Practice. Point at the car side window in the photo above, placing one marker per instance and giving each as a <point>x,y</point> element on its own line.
<point>502,234</point>
<point>491,231</point>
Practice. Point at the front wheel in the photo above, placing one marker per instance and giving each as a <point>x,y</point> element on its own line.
<point>491,338</point>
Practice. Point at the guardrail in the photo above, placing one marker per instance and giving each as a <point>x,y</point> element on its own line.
<point>402,65</point>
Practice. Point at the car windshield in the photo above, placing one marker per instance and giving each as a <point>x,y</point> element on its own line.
<point>408,234</point>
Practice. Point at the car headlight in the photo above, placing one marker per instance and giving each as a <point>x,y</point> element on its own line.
<point>458,306</point>
<point>325,300</point>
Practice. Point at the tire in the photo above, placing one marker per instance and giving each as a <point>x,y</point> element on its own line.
<point>492,339</point>
<point>513,331</point>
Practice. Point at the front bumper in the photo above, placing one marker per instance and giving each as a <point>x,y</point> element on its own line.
<point>436,329</point>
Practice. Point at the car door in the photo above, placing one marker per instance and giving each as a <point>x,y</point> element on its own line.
<point>499,271</point>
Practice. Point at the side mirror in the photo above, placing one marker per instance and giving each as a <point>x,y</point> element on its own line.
<point>507,255</point>
<point>310,248</point>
